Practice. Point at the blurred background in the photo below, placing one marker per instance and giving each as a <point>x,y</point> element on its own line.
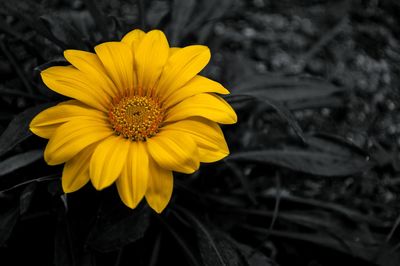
<point>314,173</point>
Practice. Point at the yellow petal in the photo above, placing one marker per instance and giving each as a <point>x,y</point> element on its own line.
<point>90,64</point>
<point>132,183</point>
<point>72,137</point>
<point>173,50</point>
<point>174,151</point>
<point>207,135</point>
<point>196,85</point>
<point>181,67</point>
<point>117,59</point>
<point>108,160</point>
<point>151,56</point>
<point>73,83</point>
<point>46,122</point>
<point>205,105</point>
<point>133,39</point>
<point>76,171</point>
<point>159,188</point>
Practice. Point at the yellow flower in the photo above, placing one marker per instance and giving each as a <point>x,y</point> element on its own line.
<point>139,111</point>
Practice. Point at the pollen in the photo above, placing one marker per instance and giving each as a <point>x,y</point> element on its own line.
<point>136,117</point>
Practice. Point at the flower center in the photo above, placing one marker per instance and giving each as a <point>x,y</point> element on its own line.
<point>136,117</point>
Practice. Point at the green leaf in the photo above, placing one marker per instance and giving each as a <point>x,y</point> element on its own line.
<point>112,232</point>
<point>330,159</point>
<point>18,129</point>
<point>18,161</point>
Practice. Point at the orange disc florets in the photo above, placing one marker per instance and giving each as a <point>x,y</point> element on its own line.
<point>136,117</point>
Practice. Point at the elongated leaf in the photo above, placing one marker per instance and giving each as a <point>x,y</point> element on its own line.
<point>352,214</point>
<point>64,31</point>
<point>285,88</point>
<point>23,11</point>
<point>18,129</point>
<point>64,250</point>
<point>295,92</point>
<point>20,160</point>
<point>156,13</point>
<point>287,116</point>
<point>325,157</point>
<point>109,234</point>
<point>212,252</point>
<point>187,251</point>
<point>58,61</point>
<point>181,15</point>
<point>237,172</point>
<point>282,111</point>
<point>8,220</point>
<point>25,198</point>
<point>253,257</point>
<point>353,248</point>
<point>206,15</point>
<point>99,17</point>
<point>316,163</point>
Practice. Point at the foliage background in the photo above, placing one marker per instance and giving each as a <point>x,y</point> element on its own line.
<point>313,176</point>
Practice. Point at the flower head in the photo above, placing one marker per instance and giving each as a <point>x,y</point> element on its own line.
<point>139,110</point>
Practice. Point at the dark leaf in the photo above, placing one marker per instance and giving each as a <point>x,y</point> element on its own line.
<point>214,248</point>
<point>351,214</point>
<point>64,31</point>
<point>110,234</point>
<point>181,15</point>
<point>294,92</point>
<point>282,111</point>
<point>156,13</point>
<point>351,246</point>
<point>324,141</point>
<point>18,93</point>
<point>287,116</point>
<point>8,220</point>
<point>25,198</point>
<point>237,172</point>
<point>18,161</point>
<point>253,257</point>
<point>23,11</point>
<point>187,250</point>
<point>18,129</point>
<point>99,17</point>
<point>331,159</point>
<point>55,188</point>
<point>16,65</point>
<point>59,61</point>
<point>65,251</point>
<point>285,88</point>
<point>211,13</point>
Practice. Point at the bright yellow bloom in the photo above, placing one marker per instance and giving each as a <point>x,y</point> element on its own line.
<point>139,111</point>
